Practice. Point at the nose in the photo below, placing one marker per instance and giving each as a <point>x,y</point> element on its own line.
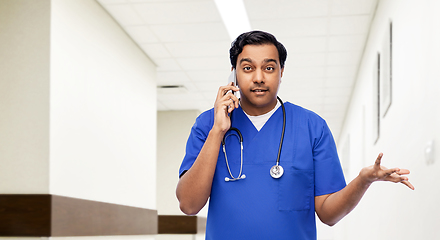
<point>259,76</point>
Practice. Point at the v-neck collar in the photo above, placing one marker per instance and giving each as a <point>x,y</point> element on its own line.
<point>261,120</point>
<point>247,128</point>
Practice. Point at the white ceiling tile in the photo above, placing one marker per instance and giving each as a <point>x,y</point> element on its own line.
<point>205,63</point>
<point>190,45</point>
<point>343,58</point>
<point>178,12</point>
<point>316,108</point>
<point>307,59</point>
<point>124,14</point>
<point>335,92</point>
<point>326,108</point>
<point>188,85</point>
<point>332,114</point>
<point>347,43</point>
<point>306,72</point>
<point>209,76</point>
<point>261,9</point>
<point>209,85</point>
<point>302,92</point>
<point>210,96</point>
<point>342,71</point>
<point>339,100</point>
<point>199,49</point>
<point>171,78</point>
<point>167,64</point>
<point>304,44</point>
<point>350,7</point>
<point>191,87</point>
<point>306,101</point>
<point>303,83</point>
<point>293,27</point>
<point>161,107</point>
<point>199,32</point>
<point>349,25</point>
<point>155,50</point>
<point>339,82</point>
<point>334,107</point>
<point>141,34</point>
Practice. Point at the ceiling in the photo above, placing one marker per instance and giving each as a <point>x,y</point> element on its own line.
<point>190,45</point>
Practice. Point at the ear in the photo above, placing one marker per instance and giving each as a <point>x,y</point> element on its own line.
<point>282,71</point>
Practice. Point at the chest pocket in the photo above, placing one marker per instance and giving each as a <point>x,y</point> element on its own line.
<point>296,190</point>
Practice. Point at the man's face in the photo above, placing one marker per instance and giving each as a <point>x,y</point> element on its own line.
<point>258,77</point>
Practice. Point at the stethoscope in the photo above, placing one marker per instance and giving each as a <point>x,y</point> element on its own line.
<point>276,171</point>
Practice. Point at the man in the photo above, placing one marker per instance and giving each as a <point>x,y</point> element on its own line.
<point>257,205</point>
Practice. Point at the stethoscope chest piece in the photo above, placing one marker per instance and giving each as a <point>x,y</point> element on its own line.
<point>276,171</point>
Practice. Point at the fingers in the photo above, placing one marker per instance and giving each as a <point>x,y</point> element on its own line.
<point>223,90</point>
<point>392,175</point>
<point>378,159</point>
<point>231,101</point>
<point>391,171</point>
<point>408,184</point>
<point>403,172</point>
<point>397,177</point>
<point>226,98</point>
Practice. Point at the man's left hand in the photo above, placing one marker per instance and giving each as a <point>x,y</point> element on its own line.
<point>377,172</point>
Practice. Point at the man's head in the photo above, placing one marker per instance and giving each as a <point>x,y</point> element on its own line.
<point>258,59</point>
<point>255,38</point>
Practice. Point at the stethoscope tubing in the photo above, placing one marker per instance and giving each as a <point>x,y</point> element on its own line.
<point>241,155</point>
<point>283,131</point>
<point>240,176</point>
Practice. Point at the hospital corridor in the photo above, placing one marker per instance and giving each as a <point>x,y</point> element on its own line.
<point>99,101</point>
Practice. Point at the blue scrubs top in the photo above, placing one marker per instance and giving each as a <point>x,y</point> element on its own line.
<point>259,206</point>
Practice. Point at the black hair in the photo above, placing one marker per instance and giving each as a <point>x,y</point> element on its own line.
<point>255,38</point>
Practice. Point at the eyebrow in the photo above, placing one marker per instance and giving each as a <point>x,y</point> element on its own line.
<point>265,60</point>
<point>270,60</point>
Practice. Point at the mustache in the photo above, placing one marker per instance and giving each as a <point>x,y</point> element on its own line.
<point>259,87</point>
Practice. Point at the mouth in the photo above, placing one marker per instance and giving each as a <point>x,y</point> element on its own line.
<point>259,90</point>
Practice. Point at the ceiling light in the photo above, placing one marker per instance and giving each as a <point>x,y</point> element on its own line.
<point>171,89</point>
<point>234,17</point>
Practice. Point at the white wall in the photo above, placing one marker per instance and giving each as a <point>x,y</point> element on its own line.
<point>389,210</point>
<point>24,96</point>
<point>173,129</point>
<point>102,111</point>
<point>77,104</point>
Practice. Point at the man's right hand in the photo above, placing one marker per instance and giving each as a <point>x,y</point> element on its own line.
<point>224,104</point>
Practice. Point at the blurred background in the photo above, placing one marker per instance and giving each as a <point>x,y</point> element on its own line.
<point>97,99</point>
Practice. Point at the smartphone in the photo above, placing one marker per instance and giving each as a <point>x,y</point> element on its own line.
<point>233,78</point>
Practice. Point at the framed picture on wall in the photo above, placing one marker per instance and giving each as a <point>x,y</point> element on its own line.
<point>386,71</point>
<point>376,99</point>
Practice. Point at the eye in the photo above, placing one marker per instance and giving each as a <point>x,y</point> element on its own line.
<point>270,69</point>
<point>247,68</point>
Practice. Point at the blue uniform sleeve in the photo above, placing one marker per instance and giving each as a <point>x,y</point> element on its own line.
<point>196,140</point>
<point>329,177</point>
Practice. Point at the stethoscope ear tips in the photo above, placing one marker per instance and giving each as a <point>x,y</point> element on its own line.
<point>227,179</point>
<point>243,176</point>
